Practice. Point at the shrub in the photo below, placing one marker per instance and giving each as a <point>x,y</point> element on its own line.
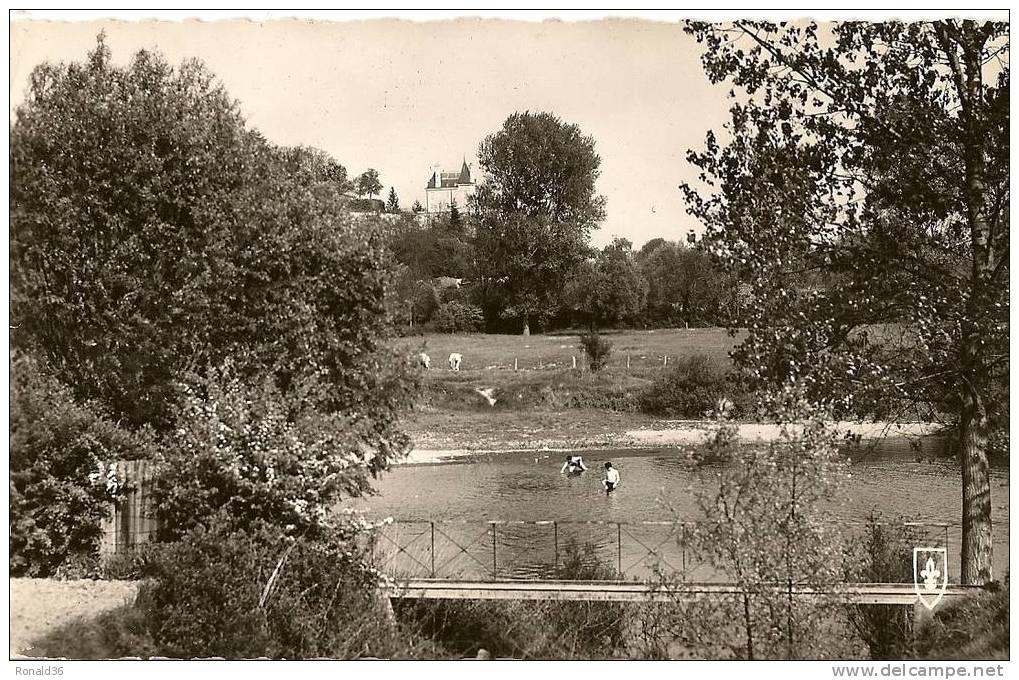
<point>244,594</point>
<point>113,634</point>
<point>975,628</point>
<point>252,454</point>
<point>545,630</point>
<point>458,317</point>
<point>690,389</point>
<point>597,349</point>
<point>61,483</point>
<point>884,556</point>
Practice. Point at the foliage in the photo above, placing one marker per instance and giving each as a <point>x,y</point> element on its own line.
<point>691,388</point>
<point>113,634</point>
<point>458,317</point>
<point>597,349</point>
<point>766,520</point>
<point>533,213</point>
<point>152,234</point>
<point>974,628</point>
<point>244,454</point>
<point>244,594</point>
<point>885,555</point>
<point>62,485</point>
<point>528,630</point>
<point>417,207</point>
<point>367,183</point>
<point>883,151</point>
<point>392,202</point>
<point>608,289</point>
<point>684,287</point>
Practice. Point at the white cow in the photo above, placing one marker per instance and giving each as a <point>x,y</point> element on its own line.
<point>423,360</point>
<point>454,361</point>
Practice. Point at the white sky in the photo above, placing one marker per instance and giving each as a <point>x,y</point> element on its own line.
<point>401,96</point>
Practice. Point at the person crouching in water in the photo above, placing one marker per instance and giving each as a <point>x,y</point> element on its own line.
<point>574,465</point>
<point>611,480</point>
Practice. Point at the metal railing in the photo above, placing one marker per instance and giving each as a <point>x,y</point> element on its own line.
<point>556,549</point>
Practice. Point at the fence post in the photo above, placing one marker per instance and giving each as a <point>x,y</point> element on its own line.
<point>514,363</point>
<point>574,361</point>
<point>555,544</point>
<point>665,364</point>
<point>619,549</point>
<point>432,551</point>
<point>495,563</point>
<point>628,362</point>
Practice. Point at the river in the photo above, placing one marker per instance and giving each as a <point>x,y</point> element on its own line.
<point>450,505</point>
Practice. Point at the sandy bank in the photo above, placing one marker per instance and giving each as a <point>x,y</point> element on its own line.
<point>673,433</point>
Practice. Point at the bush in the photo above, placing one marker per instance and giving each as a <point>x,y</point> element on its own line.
<point>975,628</point>
<point>458,317</point>
<point>884,556</point>
<point>597,349</point>
<point>252,454</point>
<point>244,594</point>
<point>527,630</point>
<point>691,388</point>
<point>62,486</point>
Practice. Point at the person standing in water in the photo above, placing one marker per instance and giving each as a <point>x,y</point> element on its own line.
<point>611,480</point>
<point>574,465</point>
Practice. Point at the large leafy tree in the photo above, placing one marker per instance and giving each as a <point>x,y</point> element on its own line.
<point>683,285</point>
<point>608,288</point>
<point>872,158</point>
<point>534,212</point>
<point>153,235</point>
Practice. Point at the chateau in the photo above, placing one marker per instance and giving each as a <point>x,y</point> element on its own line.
<point>445,187</point>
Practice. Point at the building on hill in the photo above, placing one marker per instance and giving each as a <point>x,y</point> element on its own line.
<point>444,188</point>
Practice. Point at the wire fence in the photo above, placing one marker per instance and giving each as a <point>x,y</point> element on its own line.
<point>571,550</point>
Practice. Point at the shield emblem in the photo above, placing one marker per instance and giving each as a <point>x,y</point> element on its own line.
<point>930,574</point>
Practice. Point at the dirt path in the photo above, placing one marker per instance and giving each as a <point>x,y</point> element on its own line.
<point>40,606</point>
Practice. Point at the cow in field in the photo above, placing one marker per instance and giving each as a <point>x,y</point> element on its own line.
<point>454,361</point>
<point>422,360</point>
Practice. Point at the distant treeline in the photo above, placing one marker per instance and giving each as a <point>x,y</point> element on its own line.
<point>442,283</point>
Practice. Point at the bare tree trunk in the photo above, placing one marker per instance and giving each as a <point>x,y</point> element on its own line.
<point>976,483</point>
<point>527,327</point>
<point>977,547</point>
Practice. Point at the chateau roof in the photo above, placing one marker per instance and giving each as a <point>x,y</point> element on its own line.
<point>450,180</point>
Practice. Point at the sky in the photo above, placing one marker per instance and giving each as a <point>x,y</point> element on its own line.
<point>402,96</point>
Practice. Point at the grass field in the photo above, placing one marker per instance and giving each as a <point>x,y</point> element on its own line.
<point>646,349</point>
<point>546,399</point>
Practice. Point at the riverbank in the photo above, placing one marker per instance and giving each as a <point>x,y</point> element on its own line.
<point>440,436</point>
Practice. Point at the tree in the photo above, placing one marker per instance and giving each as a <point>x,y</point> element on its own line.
<point>534,211</point>
<point>882,150</point>
<point>367,183</point>
<point>153,235</point>
<point>417,207</point>
<point>608,288</point>
<point>393,203</point>
<point>683,285</point>
<point>765,522</point>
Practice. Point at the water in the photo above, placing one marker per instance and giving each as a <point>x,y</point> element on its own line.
<point>524,489</point>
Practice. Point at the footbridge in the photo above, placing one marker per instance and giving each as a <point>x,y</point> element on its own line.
<point>649,561</point>
<point>904,594</point>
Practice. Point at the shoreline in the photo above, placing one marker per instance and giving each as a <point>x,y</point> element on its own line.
<point>658,435</point>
